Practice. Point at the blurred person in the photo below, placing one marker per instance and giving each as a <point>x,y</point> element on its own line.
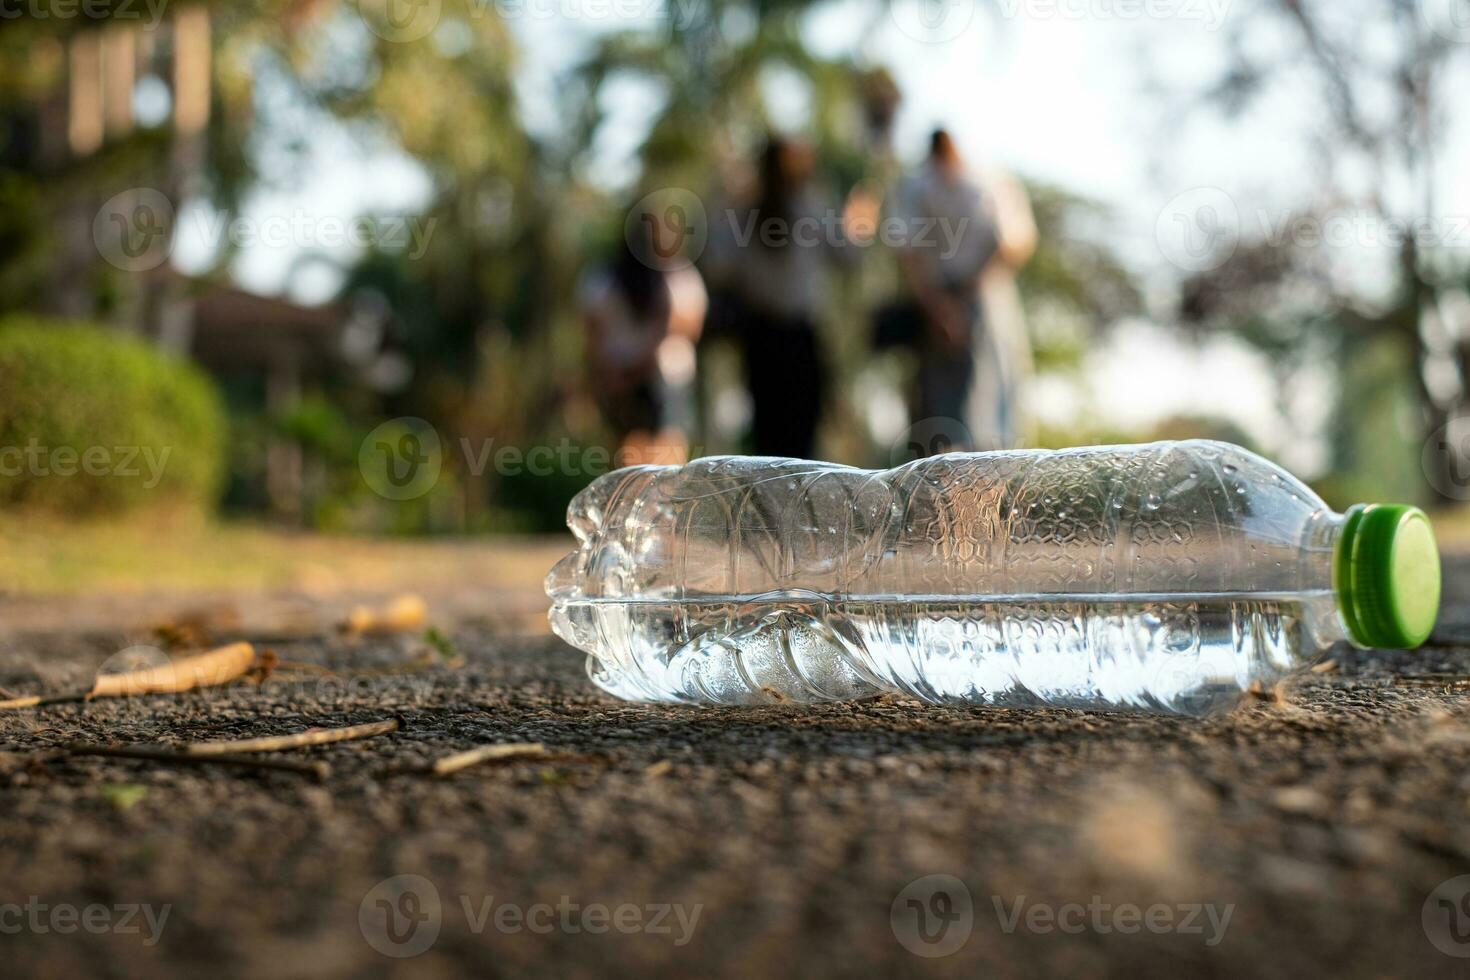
<point>643,313</point>
<point>965,238</point>
<point>772,257</point>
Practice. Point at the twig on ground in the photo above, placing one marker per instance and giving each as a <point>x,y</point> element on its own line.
<point>485,753</point>
<point>202,670</point>
<point>209,669</point>
<point>275,743</point>
<point>37,701</point>
<point>314,770</point>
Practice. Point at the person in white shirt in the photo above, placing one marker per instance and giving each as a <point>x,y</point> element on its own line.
<point>965,238</point>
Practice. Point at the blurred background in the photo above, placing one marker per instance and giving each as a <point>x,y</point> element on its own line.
<point>317,294</point>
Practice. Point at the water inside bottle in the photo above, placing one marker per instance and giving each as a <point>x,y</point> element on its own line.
<point>1185,653</point>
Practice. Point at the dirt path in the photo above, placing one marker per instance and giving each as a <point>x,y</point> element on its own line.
<point>1288,839</point>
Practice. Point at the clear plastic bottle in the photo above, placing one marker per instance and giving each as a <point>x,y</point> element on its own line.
<point>1167,576</point>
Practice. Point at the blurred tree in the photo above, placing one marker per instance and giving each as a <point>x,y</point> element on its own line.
<point>1379,75</point>
<point>272,72</point>
<point>719,68</point>
<point>473,313</point>
<point>484,316</point>
<point>1075,287</point>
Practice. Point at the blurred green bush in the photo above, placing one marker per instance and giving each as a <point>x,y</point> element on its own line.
<point>96,421</point>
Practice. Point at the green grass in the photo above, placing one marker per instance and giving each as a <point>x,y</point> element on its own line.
<point>53,557</point>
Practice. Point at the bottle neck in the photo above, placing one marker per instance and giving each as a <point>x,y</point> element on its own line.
<point>1320,543</point>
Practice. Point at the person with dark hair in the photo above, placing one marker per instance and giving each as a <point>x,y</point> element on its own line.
<point>772,256</point>
<point>643,313</point>
<point>973,352</point>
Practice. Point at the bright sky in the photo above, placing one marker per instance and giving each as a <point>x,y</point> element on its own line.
<point>1049,88</point>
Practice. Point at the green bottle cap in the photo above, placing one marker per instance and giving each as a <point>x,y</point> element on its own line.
<point>1386,574</point>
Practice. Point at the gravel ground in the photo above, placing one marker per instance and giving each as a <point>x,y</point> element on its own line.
<point>1298,835</point>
